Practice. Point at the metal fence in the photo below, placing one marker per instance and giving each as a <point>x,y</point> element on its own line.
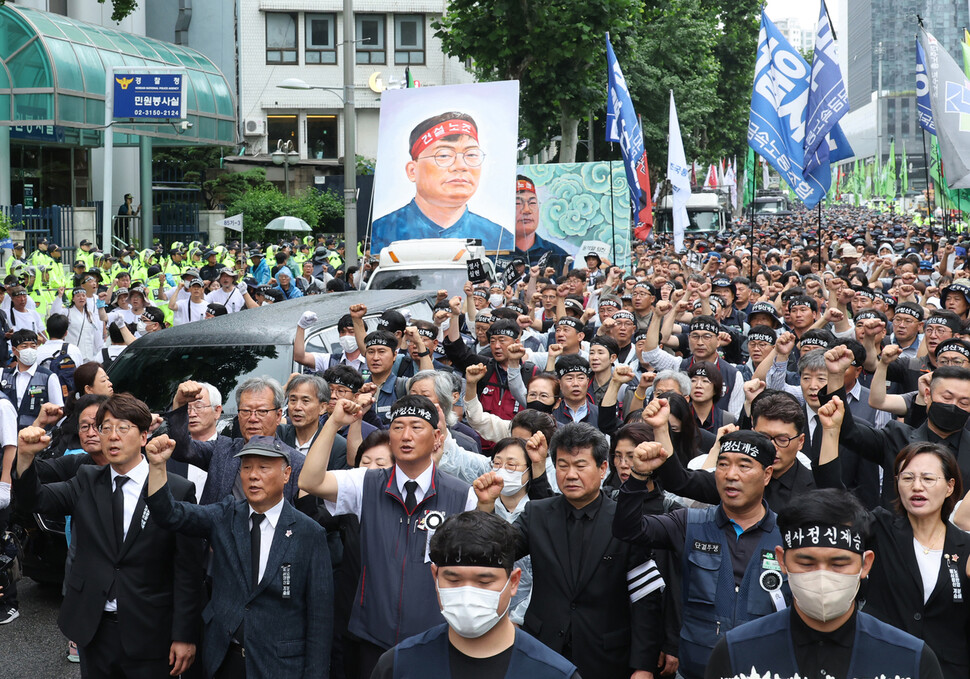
<point>56,223</point>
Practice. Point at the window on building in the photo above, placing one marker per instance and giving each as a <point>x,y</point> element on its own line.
<point>283,127</point>
<point>891,117</point>
<point>905,117</point>
<point>321,136</point>
<point>370,33</point>
<point>321,39</point>
<point>280,38</point>
<point>409,39</point>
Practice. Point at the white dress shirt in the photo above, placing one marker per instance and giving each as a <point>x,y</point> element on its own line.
<point>267,529</point>
<point>131,492</point>
<point>21,379</point>
<point>350,489</point>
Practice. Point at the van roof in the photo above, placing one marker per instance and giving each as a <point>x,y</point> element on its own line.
<point>276,323</point>
<point>439,250</point>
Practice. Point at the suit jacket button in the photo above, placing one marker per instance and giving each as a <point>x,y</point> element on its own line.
<point>917,617</point>
<point>572,607</point>
<point>562,633</point>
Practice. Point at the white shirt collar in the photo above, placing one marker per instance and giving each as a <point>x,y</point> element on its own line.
<point>424,479</point>
<point>29,371</point>
<point>139,474</point>
<point>272,514</point>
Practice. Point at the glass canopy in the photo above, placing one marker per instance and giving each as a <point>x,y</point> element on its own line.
<point>53,71</point>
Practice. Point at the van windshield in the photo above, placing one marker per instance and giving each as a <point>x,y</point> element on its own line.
<point>153,374</point>
<point>699,221</point>
<point>452,280</point>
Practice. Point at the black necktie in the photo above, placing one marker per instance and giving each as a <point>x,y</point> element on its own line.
<point>575,536</point>
<point>254,536</point>
<point>410,501</point>
<point>118,509</point>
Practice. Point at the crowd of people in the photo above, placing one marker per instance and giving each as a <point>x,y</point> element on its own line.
<point>743,458</point>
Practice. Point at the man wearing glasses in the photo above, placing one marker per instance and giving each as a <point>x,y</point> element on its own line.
<point>259,405</point>
<point>133,597</point>
<point>529,244</point>
<point>445,167</point>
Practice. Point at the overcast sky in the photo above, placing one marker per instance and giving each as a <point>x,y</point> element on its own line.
<point>806,11</point>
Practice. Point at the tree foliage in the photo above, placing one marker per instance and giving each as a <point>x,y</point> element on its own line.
<point>262,204</point>
<point>736,52</point>
<point>556,50</point>
<point>671,47</point>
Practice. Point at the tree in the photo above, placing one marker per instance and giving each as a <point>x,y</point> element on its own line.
<point>557,52</point>
<point>655,60</point>
<point>736,51</point>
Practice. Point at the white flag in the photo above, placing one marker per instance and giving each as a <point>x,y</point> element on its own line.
<point>678,172</point>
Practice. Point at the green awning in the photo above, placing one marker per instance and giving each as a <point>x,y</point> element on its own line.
<point>53,70</point>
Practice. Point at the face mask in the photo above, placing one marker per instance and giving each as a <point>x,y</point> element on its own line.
<point>445,326</point>
<point>538,405</point>
<point>512,480</point>
<point>495,301</point>
<point>471,611</point>
<point>141,327</point>
<point>28,356</point>
<point>824,595</point>
<point>348,343</point>
<point>947,417</point>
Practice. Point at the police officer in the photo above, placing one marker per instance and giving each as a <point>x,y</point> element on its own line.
<point>27,384</point>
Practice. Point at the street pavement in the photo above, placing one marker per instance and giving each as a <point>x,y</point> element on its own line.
<point>31,647</point>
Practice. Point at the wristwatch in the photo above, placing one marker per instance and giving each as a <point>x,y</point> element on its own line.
<point>426,352</point>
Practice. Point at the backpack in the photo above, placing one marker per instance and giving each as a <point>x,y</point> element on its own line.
<point>62,365</point>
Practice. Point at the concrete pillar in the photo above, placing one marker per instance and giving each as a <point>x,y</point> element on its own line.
<point>145,171</point>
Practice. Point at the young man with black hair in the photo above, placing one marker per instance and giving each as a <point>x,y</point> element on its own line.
<point>473,565</point>
<point>28,384</point>
<point>350,354</point>
<point>57,329</point>
<point>824,553</point>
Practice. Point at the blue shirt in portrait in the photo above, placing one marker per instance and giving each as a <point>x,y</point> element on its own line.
<point>408,223</point>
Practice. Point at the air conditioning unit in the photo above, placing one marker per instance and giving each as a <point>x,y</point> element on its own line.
<point>254,127</point>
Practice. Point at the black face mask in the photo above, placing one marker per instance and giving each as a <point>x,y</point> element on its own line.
<point>947,417</point>
<point>539,405</point>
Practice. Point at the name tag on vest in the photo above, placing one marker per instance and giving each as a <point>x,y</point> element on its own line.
<point>707,547</point>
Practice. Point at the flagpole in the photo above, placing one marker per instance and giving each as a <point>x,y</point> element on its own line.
<point>926,168</point>
<point>612,221</point>
<point>819,237</point>
<point>754,191</point>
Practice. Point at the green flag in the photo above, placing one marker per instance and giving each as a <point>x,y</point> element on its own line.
<point>904,174</point>
<point>749,177</point>
<point>889,174</point>
<point>966,51</point>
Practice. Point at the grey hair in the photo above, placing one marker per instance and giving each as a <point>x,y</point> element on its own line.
<point>215,398</point>
<point>813,360</point>
<point>679,377</point>
<point>316,383</point>
<point>443,389</point>
<point>259,384</point>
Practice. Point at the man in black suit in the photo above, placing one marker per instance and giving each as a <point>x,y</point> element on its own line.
<point>134,593</point>
<point>595,599</point>
<point>271,611</point>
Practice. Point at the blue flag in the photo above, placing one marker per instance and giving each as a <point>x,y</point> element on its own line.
<point>827,98</point>
<point>779,107</point>
<point>924,108</point>
<point>622,126</point>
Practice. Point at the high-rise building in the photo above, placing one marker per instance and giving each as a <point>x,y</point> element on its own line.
<point>882,33</point>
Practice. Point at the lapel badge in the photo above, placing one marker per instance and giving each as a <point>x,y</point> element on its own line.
<point>144,517</point>
<point>289,533</point>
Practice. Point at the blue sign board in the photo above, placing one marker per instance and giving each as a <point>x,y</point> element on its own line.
<point>54,133</point>
<point>149,95</point>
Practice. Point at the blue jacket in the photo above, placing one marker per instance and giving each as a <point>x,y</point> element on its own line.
<point>711,606</point>
<point>426,655</point>
<point>288,628</point>
<point>879,649</point>
<point>261,272</point>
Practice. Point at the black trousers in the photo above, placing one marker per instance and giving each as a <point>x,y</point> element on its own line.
<point>8,597</point>
<point>234,665</point>
<point>104,657</point>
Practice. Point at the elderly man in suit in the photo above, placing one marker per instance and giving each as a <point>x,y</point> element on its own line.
<point>134,594</point>
<point>259,404</point>
<point>595,600</point>
<point>271,611</point>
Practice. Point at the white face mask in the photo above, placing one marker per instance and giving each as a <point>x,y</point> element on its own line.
<point>28,356</point>
<point>348,343</point>
<point>512,480</point>
<point>495,301</point>
<point>141,327</point>
<point>471,611</point>
<point>824,595</point>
